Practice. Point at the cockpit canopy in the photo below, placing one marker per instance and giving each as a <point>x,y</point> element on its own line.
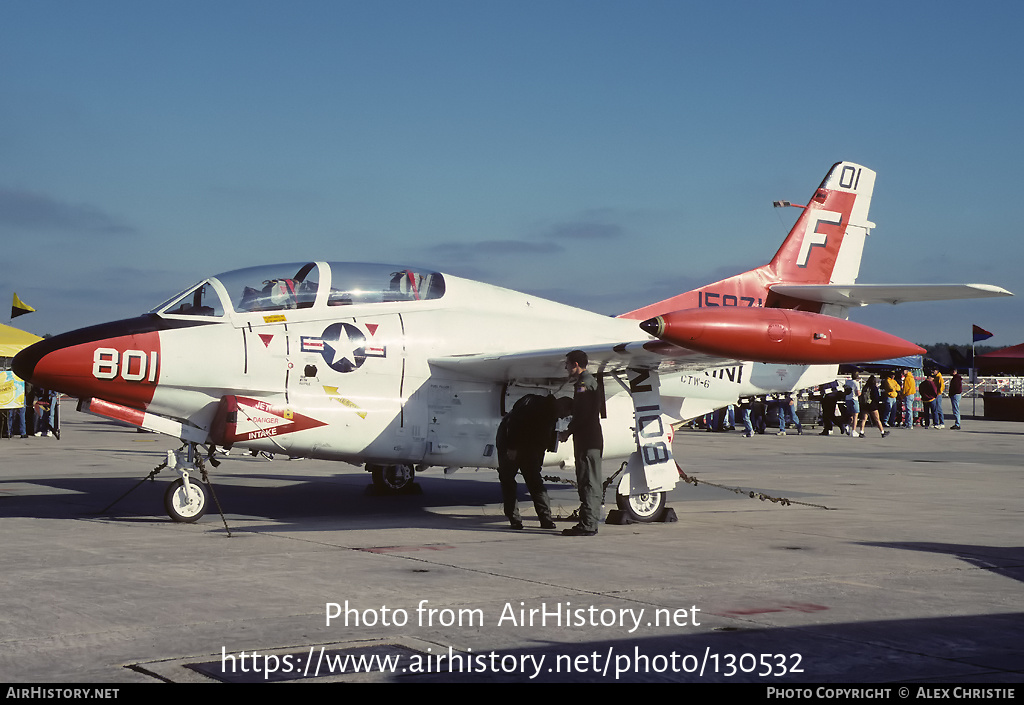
<point>299,285</point>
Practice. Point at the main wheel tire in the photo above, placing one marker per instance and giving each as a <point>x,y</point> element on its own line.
<point>642,508</point>
<point>392,478</point>
<point>177,503</point>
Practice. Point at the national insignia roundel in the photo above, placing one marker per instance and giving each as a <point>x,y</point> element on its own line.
<point>343,347</point>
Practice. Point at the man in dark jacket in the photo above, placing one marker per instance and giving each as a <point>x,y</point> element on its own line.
<point>956,390</point>
<point>587,441</point>
<point>929,394</point>
<point>526,432</point>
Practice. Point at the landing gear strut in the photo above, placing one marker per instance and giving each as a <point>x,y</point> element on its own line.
<point>650,471</point>
<point>186,498</point>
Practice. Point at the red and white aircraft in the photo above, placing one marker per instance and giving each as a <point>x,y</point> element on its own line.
<point>402,369</point>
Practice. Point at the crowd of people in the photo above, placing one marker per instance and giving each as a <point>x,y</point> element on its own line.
<point>38,417</point>
<point>855,406</point>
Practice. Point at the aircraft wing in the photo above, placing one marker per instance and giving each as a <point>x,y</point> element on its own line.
<point>549,365</point>
<point>864,294</point>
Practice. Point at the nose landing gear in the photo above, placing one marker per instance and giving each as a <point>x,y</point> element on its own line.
<point>185,500</point>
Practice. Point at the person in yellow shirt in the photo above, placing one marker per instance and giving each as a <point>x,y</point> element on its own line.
<point>891,390</point>
<point>908,396</point>
<point>940,387</point>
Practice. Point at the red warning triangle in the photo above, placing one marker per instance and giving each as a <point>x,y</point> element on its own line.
<point>266,339</point>
<point>372,327</point>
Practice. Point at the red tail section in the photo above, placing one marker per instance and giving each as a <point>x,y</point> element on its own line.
<point>824,247</point>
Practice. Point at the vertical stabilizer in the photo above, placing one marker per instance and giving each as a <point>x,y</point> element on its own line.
<point>826,243</point>
<point>823,247</point>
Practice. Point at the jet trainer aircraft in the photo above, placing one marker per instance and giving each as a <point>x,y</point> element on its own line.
<point>402,369</point>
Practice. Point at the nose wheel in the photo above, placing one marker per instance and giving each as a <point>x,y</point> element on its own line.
<point>185,503</point>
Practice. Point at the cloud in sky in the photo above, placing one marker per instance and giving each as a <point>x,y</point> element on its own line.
<point>549,239</point>
<point>586,230</point>
<point>473,251</point>
<point>29,211</point>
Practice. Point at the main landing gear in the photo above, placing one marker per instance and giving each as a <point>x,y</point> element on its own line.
<point>650,472</point>
<point>391,479</point>
<point>637,502</point>
<point>642,508</point>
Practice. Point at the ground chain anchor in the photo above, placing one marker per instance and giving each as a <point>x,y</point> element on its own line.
<point>750,493</point>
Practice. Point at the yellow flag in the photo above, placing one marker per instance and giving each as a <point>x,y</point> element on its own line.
<point>19,307</point>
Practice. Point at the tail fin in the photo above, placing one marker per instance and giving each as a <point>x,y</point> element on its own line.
<point>824,247</point>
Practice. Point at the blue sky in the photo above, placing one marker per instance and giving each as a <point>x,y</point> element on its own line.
<point>603,154</point>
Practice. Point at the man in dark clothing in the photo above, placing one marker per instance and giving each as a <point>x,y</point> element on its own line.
<point>956,390</point>
<point>832,396</point>
<point>929,393</point>
<point>588,442</point>
<point>525,433</point>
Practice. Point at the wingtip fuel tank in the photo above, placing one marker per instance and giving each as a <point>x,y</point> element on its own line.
<point>777,335</point>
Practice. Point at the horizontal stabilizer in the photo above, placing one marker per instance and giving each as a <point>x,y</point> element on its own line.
<point>864,294</point>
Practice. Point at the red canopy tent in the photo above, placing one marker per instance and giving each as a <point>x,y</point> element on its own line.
<point>1008,361</point>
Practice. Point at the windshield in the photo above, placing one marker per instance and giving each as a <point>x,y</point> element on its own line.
<point>201,300</point>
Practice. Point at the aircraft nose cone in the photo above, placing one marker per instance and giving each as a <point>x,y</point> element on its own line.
<point>52,364</point>
<point>117,361</point>
<point>24,363</point>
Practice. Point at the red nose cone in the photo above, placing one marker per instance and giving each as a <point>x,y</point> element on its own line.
<point>117,362</point>
<point>777,335</point>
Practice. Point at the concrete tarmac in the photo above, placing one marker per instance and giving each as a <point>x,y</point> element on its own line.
<point>911,574</point>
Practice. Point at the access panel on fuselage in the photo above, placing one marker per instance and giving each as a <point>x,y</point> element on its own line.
<point>265,358</point>
<point>348,374</point>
